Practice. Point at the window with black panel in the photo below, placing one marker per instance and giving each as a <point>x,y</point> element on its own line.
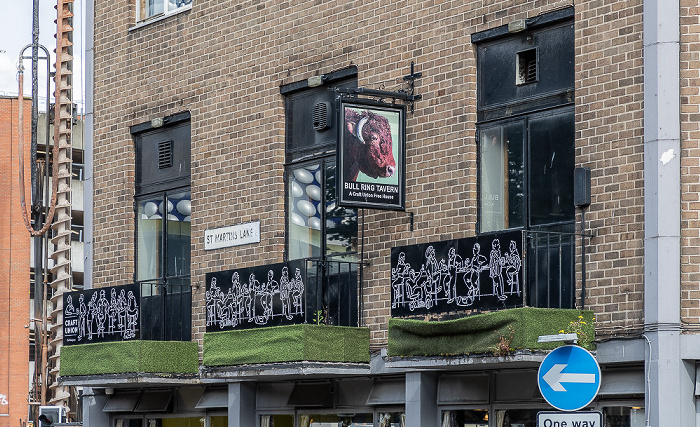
<point>318,230</point>
<point>163,212</point>
<point>525,137</point>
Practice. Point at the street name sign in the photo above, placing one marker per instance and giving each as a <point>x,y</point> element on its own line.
<point>569,378</point>
<point>569,419</point>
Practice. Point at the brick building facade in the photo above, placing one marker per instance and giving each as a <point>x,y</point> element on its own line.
<point>204,104</point>
<point>14,269</point>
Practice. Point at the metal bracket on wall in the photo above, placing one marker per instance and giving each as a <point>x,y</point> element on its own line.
<point>408,95</point>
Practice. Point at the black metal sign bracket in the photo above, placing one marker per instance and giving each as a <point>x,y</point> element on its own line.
<point>407,95</point>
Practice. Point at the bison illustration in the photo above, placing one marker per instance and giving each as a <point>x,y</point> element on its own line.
<point>367,146</point>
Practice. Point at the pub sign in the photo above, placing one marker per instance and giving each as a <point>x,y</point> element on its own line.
<point>371,154</point>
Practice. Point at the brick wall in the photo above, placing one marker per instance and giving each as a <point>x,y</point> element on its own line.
<point>690,161</point>
<point>609,120</point>
<point>14,267</point>
<point>225,61</point>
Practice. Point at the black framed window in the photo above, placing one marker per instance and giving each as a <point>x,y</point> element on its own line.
<point>526,155</point>
<point>526,168</point>
<point>316,226</point>
<point>163,211</point>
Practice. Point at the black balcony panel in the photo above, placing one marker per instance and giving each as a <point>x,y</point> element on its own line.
<point>299,291</point>
<point>146,311</point>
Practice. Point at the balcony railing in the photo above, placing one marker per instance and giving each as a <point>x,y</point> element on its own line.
<point>332,292</point>
<point>146,311</point>
<point>295,292</point>
<point>487,272</point>
<point>166,311</point>
<point>550,268</point>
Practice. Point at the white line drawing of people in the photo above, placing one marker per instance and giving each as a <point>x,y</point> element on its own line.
<point>478,264</point>
<point>211,302</point>
<point>286,293</point>
<point>416,290</point>
<point>297,292</point>
<point>258,292</point>
<point>455,266</point>
<point>513,264</point>
<point>113,309</point>
<point>243,298</point>
<point>237,303</point>
<point>102,311</point>
<point>400,275</point>
<point>222,312</point>
<point>69,311</point>
<point>432,275</point>
<point>131,316</point>
<point>121,307</point>
<point>230,302</point>
<point>82,317</point>
<point>269,290</point>
<point>91,314</point>
<point>496,264</point>
<point>248,298</point>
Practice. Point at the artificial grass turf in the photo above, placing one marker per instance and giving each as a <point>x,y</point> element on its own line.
<point>481,333</point>
<point>292,343</point>
<point>171,357</point>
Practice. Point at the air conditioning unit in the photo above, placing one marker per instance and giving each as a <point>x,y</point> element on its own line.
<point>51,415</point>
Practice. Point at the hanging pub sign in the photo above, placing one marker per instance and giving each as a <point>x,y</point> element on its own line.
<point>371,154</point>
<point>101,315</point>
<point>475,273</point>
<point>270,295</point>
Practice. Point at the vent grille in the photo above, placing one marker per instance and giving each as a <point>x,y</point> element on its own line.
<point>165,154</point>
<point>527,66</point>
<point>321,115</point>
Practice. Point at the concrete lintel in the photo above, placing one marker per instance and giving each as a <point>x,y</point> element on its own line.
<point>466,363</point>
<point>621,351</point>
<point>285,370</point>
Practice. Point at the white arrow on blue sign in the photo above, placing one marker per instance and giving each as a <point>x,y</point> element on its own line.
<point>569,378</point>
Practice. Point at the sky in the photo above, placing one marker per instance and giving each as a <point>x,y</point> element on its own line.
<point>16,33</point>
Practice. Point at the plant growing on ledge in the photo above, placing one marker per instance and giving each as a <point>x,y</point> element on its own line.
<point>578,327</point>
<point>502,347</point>
<point>318,317</point>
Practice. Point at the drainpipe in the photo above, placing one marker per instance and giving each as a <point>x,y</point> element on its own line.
<point>669,382</point>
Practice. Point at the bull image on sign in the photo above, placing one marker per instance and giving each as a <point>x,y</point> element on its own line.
<point>371,154</point>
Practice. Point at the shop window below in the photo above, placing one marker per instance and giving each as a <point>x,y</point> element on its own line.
<point>465,418</point>
<point>624,416</point>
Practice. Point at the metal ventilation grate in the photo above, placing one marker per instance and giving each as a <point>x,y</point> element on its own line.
<point>527,66</point>
<point>321,115</point>
<point>165,154</point>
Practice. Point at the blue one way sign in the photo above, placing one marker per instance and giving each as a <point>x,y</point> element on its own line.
<point>569,378</point>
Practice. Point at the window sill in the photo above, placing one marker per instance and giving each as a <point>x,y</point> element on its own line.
<point>162,17</point>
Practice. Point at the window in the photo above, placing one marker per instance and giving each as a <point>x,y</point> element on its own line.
<point>151,8</point>
<point>465,418</point>
<point>163,208</point>
<point>525,124</point>
<point>318,230</point>
<point>527,171</point>
<point>526,156</point>
<point>316,226</point>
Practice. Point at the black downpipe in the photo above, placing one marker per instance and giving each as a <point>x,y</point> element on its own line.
<point>37,211</point>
